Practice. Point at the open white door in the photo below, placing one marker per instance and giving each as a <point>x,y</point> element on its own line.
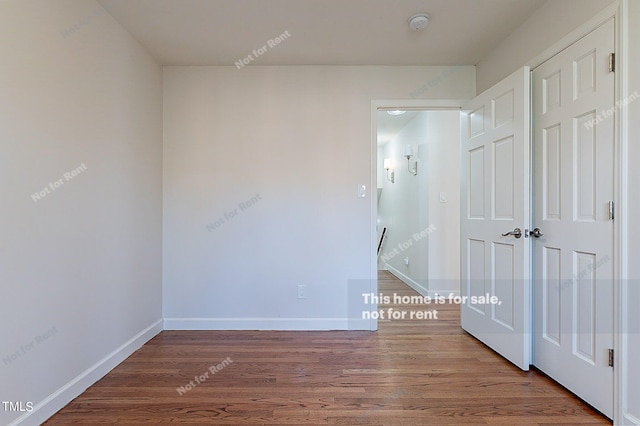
<point>495,192</point>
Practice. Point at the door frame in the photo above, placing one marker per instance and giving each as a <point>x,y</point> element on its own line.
<point>376,105</point>
<point>617,11</point>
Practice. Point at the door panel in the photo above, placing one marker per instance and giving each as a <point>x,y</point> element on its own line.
<point>495,200</point>
<point>573,183</point>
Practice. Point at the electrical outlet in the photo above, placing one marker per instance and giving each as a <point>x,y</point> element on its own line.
<point>302,291</point>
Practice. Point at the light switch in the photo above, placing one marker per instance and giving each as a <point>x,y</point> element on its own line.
<point>443,197</point>
<point>362,191</point>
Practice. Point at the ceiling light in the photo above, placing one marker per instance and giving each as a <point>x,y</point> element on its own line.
<point>396,112</point>
<point>419,22</point>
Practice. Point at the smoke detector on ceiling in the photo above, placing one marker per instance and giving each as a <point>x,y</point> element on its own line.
<point>419,22</point>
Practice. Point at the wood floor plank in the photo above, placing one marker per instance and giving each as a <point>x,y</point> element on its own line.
<point>410,372</point>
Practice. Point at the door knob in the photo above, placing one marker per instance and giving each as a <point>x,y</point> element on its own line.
<point>536,233</point>
<point>516,233</point>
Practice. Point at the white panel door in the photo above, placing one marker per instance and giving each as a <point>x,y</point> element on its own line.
<point>494,201</point>
<point>573,184</point>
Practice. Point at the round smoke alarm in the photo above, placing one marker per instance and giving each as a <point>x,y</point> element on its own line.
<point>419,21</point>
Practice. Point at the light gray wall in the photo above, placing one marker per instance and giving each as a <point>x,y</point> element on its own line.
<point>299,138</point>
<point>80,265</point>
<point>552,21</point>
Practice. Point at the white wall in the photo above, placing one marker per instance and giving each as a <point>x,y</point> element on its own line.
<point>80,268</point>
<point>412,204</point>
<point>300,139</point>
<point>552,21</point>
<point>443,154</point>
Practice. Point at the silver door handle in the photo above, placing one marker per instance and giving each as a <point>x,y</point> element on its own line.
<point>536,233</point>
<point>516,233</point>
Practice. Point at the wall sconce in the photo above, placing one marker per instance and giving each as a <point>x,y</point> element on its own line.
<point>408,152</point>
<point>387,166</point>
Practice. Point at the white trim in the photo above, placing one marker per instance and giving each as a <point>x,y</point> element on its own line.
<point>417,287</point>
<point>373,184</point>
<point>75,387</point>
<point>417,104</point>
<point>407,280</point>
<point>260,324</point>
<point>621,379</point>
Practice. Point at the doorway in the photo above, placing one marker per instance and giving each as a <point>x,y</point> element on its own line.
<point>417,181</point>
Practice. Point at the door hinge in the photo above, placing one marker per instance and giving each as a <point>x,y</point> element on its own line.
<point>612,62</point>
<point>610,357</point>
<point>611,210</point>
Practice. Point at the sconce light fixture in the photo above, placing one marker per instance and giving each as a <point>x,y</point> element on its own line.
<point>408,152</point>
<point>387,166</point>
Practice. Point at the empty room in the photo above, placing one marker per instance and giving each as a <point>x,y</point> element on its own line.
<point>319,212</point>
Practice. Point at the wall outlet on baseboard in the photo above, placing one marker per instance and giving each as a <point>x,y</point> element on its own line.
<point>302,291</point>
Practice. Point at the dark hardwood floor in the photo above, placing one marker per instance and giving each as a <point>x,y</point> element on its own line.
<point>411,372</point>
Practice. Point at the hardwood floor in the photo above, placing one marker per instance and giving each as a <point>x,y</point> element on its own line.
<point>411,372</point>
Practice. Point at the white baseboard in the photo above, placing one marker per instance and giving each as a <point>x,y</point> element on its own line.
<point>408,280</point>
<point>417,286</point>
<point>280,324</point>
<point>629,419</point>
<point>57,400</point>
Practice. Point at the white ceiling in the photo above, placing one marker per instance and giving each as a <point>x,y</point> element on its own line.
<point>390,125</point>
<point>322,32</point>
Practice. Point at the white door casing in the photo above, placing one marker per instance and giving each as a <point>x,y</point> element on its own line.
<point>573,184</point>
<point>495,188</point>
